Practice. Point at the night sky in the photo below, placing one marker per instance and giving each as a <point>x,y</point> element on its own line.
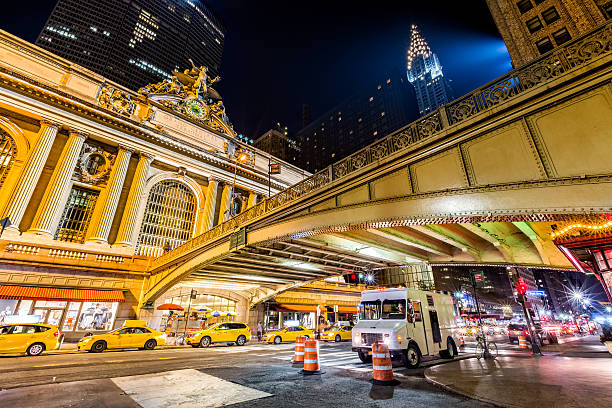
<point>280,54</point>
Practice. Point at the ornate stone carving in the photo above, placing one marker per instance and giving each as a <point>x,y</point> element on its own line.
<point>190,93</point>
<point>116,100</point>
<point>94,165</point>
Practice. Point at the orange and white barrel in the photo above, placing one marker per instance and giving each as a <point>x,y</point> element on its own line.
<point>311,358</point>
<point>523,342</point>
<point>462,341</point>
<point>298,356</point>
<point>381,363</point>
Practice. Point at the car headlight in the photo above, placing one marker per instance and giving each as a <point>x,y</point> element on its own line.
<point>357,339</point>
<point>86,340</point>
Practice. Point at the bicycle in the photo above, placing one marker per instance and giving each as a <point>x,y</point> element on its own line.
<point>488,351</point>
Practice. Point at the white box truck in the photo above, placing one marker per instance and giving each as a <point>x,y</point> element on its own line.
<point>412,323</point>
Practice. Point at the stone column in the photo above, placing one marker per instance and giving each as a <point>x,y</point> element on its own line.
<point>51,206</point>
<point>226,203</point>
<point>243,204</point>
<point>125,236</point>
<point>28,179</point>
<point>104,213</point>
<point>208,214</point>
<point>252,199</point>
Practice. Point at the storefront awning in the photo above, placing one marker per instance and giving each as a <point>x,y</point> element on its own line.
<point>298,308</point>
<point>347,309</point>
<point>60,294</point>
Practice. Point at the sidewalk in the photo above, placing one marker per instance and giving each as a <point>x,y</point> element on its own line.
<point>555,380</point>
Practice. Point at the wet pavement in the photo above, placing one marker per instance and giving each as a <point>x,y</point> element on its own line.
<point>574,374</point>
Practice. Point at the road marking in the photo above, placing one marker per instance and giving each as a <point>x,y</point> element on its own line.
<point>165,358</point>
<point>46,365</point>
<point>185,388</point>
<point>113,361</point>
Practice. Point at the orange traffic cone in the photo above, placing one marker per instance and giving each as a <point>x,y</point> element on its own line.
<point>381,363</point>
<point>298,357</point>
<point>311,358</point>
<point>523,343</point>
<point>462,341</point>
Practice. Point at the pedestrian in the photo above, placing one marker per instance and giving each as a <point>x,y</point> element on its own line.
<point>259,331</point>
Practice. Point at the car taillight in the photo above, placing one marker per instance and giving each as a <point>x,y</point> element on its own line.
<point>57,334</point>
<point>526,332</point>
<point>249,329</point>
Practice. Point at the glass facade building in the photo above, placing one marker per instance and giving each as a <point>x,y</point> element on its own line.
<point>425,74</point>
<point>381,108</point>
<point>135,42</point>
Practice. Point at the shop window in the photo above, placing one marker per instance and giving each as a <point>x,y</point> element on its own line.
<point>97,316</point>
<point>533,24</point>
<point>544,45</point>
<point>562,36</point>
<point>168,220</point>
<point>601,264</point>
<point>550,15</point>
<point>524,6</point>
<point>76,215</point>
<point>8,151</point>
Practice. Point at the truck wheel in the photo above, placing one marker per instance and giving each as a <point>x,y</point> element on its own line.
<point>450,349</point>
<point>364,357</point>
<point>412,356</point>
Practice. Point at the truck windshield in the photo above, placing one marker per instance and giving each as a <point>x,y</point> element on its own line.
<point>394,309</point>
<point>369,310</point>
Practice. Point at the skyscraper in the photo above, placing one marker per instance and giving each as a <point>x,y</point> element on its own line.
<point>425,74</point>
<point>135,42</point>
<point>378,109</point>
<point>531,28</point>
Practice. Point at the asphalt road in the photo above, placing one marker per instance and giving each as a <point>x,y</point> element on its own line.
<point>255,375</point>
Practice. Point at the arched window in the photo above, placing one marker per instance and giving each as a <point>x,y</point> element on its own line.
<point>8,151</point>
<point>168,219</point>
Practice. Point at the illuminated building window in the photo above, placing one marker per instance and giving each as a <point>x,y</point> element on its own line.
<point>77,214</point>
<point>533,24</point>
<point>379,87</point>
<point>544,45</point>
<point>371,98</point>
<point>388,80</point>
<point>168,219</point>
<point>382,113</point>
<point>524,6</point>
<point>562,36</point>
<point>8,151</point>
<point>550,15</point>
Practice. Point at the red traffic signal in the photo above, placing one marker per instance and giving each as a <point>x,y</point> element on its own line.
<point>521,288</point>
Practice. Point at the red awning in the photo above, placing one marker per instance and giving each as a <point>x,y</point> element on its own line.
<point>299,308</point>
<point>38,293</point>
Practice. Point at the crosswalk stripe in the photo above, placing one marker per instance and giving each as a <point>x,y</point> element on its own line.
<point>182,388</point>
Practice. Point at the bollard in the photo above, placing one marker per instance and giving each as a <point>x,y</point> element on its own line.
<point>381,363</point>
<point>298,357</point>
<point>311,358</point>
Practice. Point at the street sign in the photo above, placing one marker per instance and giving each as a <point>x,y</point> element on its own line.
<point>275,168</point>
<point>238,238</point>
<point>477,278</point>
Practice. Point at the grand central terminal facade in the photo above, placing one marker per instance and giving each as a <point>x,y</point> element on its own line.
<point>97,180</point>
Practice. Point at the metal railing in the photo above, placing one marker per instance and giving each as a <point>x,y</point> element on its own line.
<point>562,60</point>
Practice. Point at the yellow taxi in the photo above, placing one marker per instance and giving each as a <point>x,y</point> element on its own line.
<point>31,339</point>
<point>337,334</point>
<point>231,332</point>
<point>134,334</point>
<point>287,334</point>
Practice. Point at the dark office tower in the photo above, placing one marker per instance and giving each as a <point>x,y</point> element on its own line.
<point>135,42</point>
<point>375,111</point>
<point>425,73</point>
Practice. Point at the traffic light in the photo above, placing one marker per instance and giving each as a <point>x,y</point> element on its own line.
<point>521,287</point>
